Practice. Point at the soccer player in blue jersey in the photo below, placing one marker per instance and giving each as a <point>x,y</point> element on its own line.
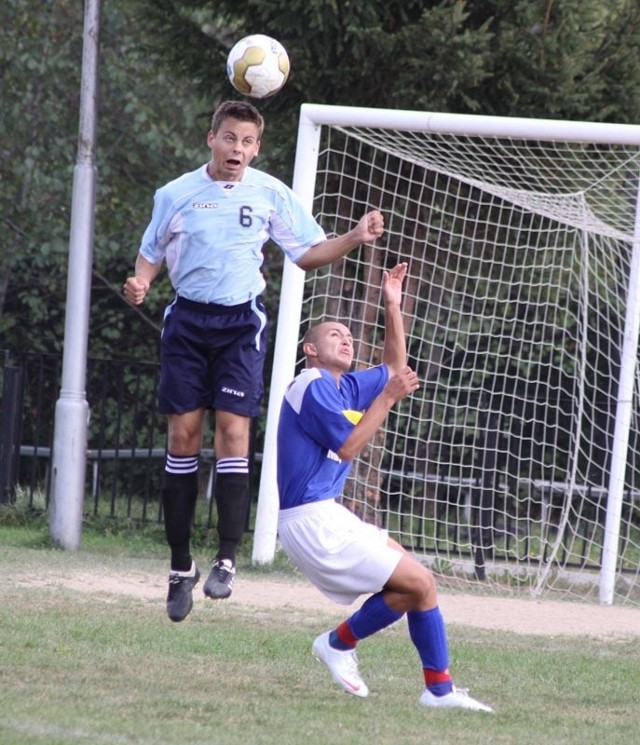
<point>328,416</point>
<point>209,226</point>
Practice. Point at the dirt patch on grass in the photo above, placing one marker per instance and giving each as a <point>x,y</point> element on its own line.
<point>521,616</point>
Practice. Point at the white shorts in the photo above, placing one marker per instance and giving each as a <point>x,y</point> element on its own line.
<point>343,556</point>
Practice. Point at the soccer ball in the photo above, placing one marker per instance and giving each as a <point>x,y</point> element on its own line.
<point>258,66</point>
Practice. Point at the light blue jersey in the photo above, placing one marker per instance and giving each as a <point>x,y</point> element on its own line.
<point>316,418</point>
<point>211,233</point>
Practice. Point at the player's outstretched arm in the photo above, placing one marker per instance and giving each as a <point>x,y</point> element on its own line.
<point>402,382</point>
<point>394,352</point>
<point>369,227</point>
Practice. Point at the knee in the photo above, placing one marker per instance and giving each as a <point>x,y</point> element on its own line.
<point>230,442</point>
<point>184,440</point>
<point>426,589</point>
<point>231,436</point>
<point>412,586</point>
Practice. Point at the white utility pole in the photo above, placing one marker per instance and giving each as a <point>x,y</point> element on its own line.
<point>72,409</point>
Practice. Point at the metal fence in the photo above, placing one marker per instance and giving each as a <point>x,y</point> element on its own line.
<point>126,437</point>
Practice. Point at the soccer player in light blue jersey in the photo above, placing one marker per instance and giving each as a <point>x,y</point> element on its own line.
<point>328,416</point>
<point>209,227</point>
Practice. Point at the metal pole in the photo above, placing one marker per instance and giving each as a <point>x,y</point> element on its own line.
<point>286,345</point>
<point>624,410</point>
<point>72,410</point>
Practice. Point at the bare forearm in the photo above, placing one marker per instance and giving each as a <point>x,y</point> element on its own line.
<point>394,351</point>
<point>370,226</point>
<point>402,383</point>
<point>331,250</point>
<point>145,270</point>
<point>367,427</point>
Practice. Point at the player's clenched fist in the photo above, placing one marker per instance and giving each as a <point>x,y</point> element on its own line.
<point>135,289</point>
<point>371,226</point>
<point>402,383</point>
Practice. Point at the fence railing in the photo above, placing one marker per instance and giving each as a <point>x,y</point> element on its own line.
<point>126,450</point>
<point>126,444</point>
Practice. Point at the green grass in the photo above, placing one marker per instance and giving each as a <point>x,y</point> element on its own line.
<point>96,668</point>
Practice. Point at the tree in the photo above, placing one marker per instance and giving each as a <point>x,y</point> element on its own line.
<point>142,142</point>
<point>162,73</point>
<point>575,59</point>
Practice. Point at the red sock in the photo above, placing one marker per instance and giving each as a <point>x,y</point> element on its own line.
<point>344,637</point>
<point>439,682</point>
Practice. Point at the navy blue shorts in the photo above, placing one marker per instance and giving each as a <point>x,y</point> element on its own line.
<point>212,357</point>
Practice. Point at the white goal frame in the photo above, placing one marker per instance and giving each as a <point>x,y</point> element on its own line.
<point>313,118</point>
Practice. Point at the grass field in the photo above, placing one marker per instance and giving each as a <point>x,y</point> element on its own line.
<point>82,667</point>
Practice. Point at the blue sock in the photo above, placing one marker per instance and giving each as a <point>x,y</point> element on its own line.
<point>373,616</point>
<point>429,637</point>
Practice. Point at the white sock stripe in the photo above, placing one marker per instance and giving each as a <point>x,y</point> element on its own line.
<point>182,463</point>
<point>232,465</point>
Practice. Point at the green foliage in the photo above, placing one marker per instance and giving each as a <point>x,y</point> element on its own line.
<point>162,73</point>
<point>576,59</point>
<point>36,132</point>
<point>151,126</point>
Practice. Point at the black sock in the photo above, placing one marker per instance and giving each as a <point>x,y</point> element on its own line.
<point>232,501</point>
<point>179,496</point>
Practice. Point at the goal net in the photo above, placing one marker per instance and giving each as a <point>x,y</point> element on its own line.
<point>516,466</point>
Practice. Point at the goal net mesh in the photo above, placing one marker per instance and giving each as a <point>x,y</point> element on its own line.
<point>496,471</point>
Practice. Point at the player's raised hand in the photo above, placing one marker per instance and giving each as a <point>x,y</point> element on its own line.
<point>392,283</point>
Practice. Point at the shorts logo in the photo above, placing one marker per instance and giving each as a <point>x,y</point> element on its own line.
<point>205,205</point>
<point>333,456</point>
<point>233,392</point>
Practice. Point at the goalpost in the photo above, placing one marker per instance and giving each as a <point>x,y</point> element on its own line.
<point>515,465</point>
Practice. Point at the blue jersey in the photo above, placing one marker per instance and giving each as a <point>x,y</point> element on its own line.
<point>316,418</point>
<point>211,233</point>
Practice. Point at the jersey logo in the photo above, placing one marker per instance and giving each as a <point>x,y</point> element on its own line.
<point>205,205</point>
<point>353,416</point>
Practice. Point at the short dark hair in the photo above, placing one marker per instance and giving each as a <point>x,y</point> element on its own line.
<point>310,335</point>
<point>240,110</point>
